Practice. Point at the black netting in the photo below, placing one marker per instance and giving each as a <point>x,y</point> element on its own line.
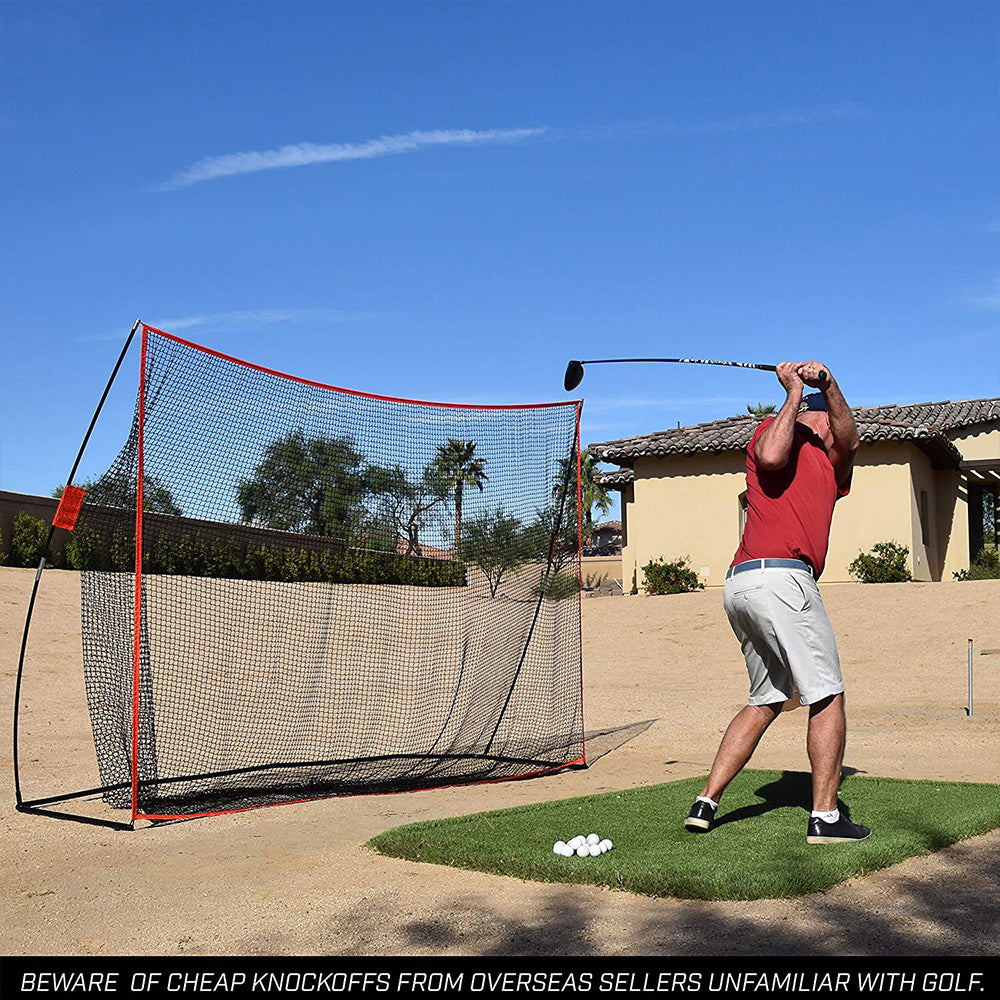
<point>340,593</point>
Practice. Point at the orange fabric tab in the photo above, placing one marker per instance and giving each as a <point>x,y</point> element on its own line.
<point>69,508</point>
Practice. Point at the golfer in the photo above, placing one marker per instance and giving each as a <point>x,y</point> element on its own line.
<point>799,464</point>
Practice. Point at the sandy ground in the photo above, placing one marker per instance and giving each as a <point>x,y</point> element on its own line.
<point>297,880</point>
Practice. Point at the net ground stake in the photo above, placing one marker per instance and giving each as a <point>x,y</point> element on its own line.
<point>970,680</point>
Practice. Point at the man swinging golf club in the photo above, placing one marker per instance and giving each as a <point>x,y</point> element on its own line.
<point>799,464</point>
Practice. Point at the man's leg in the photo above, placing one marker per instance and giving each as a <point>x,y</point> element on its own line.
<point>825,742</point>
<point>738,745</point>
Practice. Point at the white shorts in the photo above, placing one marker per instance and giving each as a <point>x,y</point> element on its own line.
<point>778,616</point>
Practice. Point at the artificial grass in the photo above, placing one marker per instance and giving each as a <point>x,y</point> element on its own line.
<point>757,849</point>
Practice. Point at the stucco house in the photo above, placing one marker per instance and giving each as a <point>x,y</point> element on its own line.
<point>605,539</point>
<point>927,476</point>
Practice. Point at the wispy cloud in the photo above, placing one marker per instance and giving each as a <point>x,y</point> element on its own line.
<point>247,319</point>
<point>750,122</point>
<point>780,119</point>
<point>257,318</point>
<point>304,153</point>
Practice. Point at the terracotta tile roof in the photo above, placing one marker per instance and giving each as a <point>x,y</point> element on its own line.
<point>608,526</point>
<point>615,480</point>
<point>925,424</point>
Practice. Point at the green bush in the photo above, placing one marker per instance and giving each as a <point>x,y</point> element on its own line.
<point>122,550</point>
<point>986,566</point>
<point>885,563</point>
<point>83,548</point>
<point>670,577</point>
<point>233,559</point>
<point>27,540</point>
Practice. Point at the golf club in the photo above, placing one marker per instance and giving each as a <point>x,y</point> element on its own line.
<point>574,370</point>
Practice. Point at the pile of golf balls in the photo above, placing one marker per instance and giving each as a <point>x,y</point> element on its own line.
<point>582,847</point>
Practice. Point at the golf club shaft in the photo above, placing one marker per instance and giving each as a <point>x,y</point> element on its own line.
<point>683,361</point>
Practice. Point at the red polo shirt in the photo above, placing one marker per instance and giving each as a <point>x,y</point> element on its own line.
<point>789,512</point>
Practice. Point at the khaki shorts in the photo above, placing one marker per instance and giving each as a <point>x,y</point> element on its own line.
<point>778,616</point>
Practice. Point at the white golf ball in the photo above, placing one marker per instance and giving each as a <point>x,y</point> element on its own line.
<point>557,847</point>
<point>567,851</point>
<point>610,845</point>
<point>583,851</point>
<point>592,839</point>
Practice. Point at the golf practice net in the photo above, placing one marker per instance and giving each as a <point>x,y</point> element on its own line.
<point>291,590</point>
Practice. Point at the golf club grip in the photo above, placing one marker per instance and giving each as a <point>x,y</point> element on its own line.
<point>696,361</point>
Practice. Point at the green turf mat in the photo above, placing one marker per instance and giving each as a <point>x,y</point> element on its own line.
<point>757,849</point>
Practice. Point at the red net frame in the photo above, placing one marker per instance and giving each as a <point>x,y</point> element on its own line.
<point>148,693</point>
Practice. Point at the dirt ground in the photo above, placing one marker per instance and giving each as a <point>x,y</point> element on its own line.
<point>662,678</point>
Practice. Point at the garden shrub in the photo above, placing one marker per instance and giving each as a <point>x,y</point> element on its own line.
<point>230,558</point>
<point>884,563</point>
<point>27,540</point>
<point>986,566</point>
<point>83,548</point>
<point>674,577</point>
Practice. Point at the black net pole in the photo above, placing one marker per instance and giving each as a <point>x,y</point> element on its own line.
<point>316,614</point>
<point>45,552</point>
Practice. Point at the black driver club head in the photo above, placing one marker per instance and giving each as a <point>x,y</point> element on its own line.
<point>574,376</point>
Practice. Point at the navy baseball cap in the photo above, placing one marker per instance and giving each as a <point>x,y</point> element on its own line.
<point>814,401</point>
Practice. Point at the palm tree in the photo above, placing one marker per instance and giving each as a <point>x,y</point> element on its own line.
<point>458,467</point>
<point>594,495</point>
<point>761,409</point>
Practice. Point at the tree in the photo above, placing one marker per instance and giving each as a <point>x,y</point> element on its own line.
<point>594,495</point>
<point>497,543</point>
<point>313,485</point>
<point>403,505</point>
<point>116,489</point>
<point>456,465</point>
<point>761,409</point>
<point>565,530</point>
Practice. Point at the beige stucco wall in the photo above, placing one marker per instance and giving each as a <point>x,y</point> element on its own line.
<point>952,523</point>
<point>878,508</point>
<point>979,443</point>
<point>600,569</point>
<point>976,444</point>
<point>685,505</point>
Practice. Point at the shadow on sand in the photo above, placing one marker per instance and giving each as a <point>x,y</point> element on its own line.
<point>945,905</point>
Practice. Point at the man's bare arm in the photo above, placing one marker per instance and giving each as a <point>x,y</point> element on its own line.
<point>774,446</point>
<point>845,432</point>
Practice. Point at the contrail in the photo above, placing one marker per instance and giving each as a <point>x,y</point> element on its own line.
<point>304,153</point>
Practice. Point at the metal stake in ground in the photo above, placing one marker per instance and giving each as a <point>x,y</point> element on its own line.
<point>574,370</point>
<point>970,678</point>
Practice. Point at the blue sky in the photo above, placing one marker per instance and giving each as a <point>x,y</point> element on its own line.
<point>448,201</point>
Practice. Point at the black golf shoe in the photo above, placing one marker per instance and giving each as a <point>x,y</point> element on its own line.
<point>841,832</point>
<point>701,817</point>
